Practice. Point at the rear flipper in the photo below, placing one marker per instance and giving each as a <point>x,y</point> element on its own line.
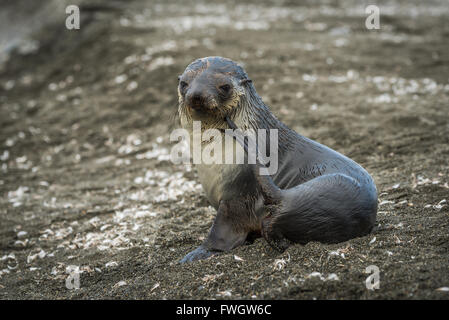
<point>329,209</point>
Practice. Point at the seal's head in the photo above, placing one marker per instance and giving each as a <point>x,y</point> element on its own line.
<point>210,89</point>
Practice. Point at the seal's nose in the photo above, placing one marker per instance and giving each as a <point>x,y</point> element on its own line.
<point>196,99</point>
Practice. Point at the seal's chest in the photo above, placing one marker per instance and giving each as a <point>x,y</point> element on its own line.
<point>216,179</point>
<point>216,174</point>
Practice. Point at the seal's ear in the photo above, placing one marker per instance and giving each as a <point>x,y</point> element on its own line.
<point>243,81</point>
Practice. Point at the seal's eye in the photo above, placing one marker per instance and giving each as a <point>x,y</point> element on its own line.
<point>225,88</point>
<point>183,85</point>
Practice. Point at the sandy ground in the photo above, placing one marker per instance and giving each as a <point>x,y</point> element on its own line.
<point>86,182</point>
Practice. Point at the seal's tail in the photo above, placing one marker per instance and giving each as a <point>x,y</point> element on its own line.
<point>270,190</point>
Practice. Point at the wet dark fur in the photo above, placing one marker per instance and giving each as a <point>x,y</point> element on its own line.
<point>317,194</point>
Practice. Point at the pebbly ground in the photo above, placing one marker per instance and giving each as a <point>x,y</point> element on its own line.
<point>86,183</point>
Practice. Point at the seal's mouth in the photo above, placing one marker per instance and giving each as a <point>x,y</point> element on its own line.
<point>201,111</point>
<point>209,109</point>
<point>201,108</point>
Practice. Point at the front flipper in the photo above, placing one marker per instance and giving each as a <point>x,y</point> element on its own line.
<point>225,233</point>
<point>199,253</point>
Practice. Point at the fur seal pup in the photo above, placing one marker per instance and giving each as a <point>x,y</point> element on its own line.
<point>317,194</point>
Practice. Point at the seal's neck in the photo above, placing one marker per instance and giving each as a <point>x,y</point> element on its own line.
<point>253,114</point>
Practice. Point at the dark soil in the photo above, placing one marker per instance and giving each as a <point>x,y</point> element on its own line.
<point>85,120</point>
